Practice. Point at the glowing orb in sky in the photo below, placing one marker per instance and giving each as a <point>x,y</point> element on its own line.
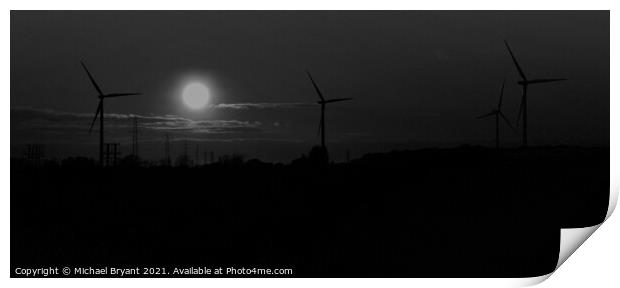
<point>195,95</point>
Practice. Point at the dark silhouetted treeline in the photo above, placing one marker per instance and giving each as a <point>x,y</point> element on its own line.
<point>462,212</point>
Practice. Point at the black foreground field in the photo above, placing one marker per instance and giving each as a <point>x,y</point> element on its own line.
<point>462,212</point>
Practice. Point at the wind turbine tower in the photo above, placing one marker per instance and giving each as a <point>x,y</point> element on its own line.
<point>99,111</point>
<point>525,82</point>
<point>498,114</point>
<point>323,102</point>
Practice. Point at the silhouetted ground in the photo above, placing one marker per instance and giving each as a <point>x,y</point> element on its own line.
<point>463,212</point>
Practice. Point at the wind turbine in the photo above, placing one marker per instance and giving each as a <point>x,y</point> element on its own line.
<point>99,111</point>
<point>322,101</point>
<point>498,113</point>
<point>524,83</point>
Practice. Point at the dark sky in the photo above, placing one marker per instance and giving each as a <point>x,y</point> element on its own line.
<point>419,79</point>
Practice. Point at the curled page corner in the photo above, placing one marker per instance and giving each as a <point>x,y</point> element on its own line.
<point>531,281</point>
<point>572,238</point>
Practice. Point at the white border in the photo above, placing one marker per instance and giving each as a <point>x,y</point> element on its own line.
<point>600,264</point>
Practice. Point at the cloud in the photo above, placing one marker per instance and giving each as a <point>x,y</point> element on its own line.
<point>247,106</point>
<point>47,121</point>
<point>33,123</point>
<point>202,126</point>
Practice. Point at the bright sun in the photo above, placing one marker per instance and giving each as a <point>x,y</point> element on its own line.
<point>196,95</point>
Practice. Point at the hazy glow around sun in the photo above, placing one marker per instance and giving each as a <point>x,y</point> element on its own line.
<point>195,95</point>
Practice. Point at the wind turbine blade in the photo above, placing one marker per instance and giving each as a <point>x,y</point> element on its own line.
<point>538,81</point>
<point>92,79</point>
<point>316,87</point>
<point>508,122</point>
<point>501,95</point>
<point>337,100</point>
<point>120,94</point>
<point>515,61</point>
<point>487,115</point>
<point>95,118</point>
